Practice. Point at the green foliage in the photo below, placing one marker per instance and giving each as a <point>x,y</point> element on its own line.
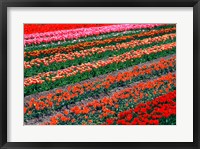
<point>171,120</point>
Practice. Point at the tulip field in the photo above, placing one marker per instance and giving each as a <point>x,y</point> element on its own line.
<point>99,74</point>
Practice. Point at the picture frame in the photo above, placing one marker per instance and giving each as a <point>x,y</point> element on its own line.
<point>100,3</point>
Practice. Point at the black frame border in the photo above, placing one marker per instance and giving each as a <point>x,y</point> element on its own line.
<point>99,3</point>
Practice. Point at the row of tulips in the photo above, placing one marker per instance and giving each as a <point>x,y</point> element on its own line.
<point>105,38</point>
<point>86,39</point>
<point>102,110</point>
<point>87,67</point>
<point>41,28</point>
<point>63,35</point>
<point>150,113</point>
<point>73,58</point>
<point>72,55</point>
<point>85,90</point>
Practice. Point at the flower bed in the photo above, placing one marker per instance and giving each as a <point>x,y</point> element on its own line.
<point>105,109</point>
<point>121,74</point>
<point>41,28</point>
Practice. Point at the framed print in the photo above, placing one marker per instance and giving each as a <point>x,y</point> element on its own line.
<point>112,74</point>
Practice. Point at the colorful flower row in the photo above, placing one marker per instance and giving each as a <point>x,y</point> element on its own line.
<point>100,111</point>
<point>41,28</point>
<point>82,46</point>
<point>82,32</point>
<point>48,85</point>
<point>81,91</point>
<point>87,39</point>
<point>149,113</point>
<point>87,67</point>
<point>71,56</point>
<point>81,42</point>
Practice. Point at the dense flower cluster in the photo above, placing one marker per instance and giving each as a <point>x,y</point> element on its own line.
<point>40,28</point>
<point>78,33</point>
<point>148,113</point>
<point>100,74</point>
<point>107,110</point>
